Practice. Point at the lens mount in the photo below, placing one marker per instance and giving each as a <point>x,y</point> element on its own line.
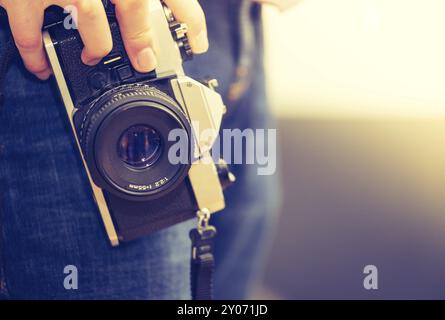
<point>124,138</point>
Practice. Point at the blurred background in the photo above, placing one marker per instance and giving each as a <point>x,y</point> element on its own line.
<point>358,90</point>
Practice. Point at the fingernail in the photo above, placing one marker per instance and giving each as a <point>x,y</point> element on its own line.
<point>200,43</point>
<point>146,60</point>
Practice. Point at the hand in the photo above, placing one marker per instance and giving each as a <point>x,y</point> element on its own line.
<point>26,19</point>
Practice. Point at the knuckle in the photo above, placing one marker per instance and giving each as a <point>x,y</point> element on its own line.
<point>143,36</point>
<point>87,8</point>
<point>29,43</point>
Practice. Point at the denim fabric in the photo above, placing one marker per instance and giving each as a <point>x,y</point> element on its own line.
<point>48,218</point>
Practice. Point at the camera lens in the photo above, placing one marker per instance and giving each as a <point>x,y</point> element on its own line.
<point>125,138</point>
<point>139,146</point>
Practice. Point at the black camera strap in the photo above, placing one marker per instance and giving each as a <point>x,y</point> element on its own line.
<point>202,258</point>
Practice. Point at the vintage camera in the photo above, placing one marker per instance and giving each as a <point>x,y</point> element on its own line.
<point>122,122</point>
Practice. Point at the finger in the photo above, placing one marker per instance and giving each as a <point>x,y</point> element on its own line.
<point>92,23</point>
<point>134,21</point>
<point>191,13</point>
<point>26,20</point>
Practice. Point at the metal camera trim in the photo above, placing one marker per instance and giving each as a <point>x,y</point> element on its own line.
<point>69,106</point>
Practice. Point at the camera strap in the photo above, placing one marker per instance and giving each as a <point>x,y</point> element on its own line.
<point>202,258</point>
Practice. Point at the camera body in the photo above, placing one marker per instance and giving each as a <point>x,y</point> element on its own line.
<point>123,122</point>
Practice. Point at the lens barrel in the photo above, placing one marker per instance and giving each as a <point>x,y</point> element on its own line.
<point>125,140</point>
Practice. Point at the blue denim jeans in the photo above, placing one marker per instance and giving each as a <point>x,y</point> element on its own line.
<point>48,219</point>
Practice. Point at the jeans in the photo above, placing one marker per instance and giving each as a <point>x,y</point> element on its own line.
<point>48,218</point>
